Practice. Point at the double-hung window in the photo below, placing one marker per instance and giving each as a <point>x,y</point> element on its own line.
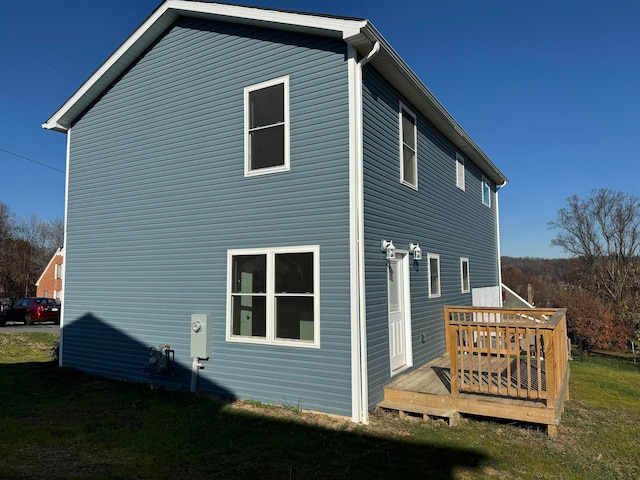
<point>486,192</point>
<point>459,171</point>
<point>274,296</point>
<point>464,275</point>
<point>408,147</point>
<point>434,274</point>
<point>266,132</point>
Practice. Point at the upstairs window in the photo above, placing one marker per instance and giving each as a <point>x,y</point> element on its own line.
<point>408,148</point>
<point>486,192</point>
<point>434,275</point>
<point>459,171</point>
<point>266,108</point>
<point>273,296</point>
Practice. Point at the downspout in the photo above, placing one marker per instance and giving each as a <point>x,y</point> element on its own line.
<point>365,60</point>
<point>360,393</point>
<point>66,251</point>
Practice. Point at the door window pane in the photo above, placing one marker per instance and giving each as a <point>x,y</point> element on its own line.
<point>394,287</point>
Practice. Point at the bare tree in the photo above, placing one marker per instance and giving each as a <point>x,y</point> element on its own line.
<point>7,222</point>
<point>26,246</point>
<point>604,231</point>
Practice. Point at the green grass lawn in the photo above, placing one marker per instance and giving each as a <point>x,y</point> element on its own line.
<point>59,423</point>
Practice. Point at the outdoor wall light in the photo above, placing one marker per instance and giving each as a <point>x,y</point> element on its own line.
<point>415,249</point>
<point>388,247</point>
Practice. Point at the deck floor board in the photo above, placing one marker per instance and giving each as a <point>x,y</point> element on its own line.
<point>429,386</point>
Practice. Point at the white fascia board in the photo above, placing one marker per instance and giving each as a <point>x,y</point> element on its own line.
<point>399,74</point>
<point>341,27</point>
<point>117,63</point>
<point>162,18</point>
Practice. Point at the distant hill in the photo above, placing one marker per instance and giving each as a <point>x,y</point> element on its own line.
<point>558,270</point>
<point>546,277</point>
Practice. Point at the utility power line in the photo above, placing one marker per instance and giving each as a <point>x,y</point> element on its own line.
<point>31,160</point>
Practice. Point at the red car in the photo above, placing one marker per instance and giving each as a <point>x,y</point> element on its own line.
<point>32,310</point>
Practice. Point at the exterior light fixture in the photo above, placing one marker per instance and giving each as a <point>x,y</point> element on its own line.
<point>388,247</point>
<point>415,249</point>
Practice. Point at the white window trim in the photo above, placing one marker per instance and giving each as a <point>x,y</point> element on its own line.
<point>270,338</point>
<point>460,167</point>
<point>402,107</point>
<point>486,182</point>
<point>247,148</point>
<point>437,257</point>
<point>464,260</point>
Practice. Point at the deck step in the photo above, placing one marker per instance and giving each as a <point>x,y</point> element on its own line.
<point>451,415</point>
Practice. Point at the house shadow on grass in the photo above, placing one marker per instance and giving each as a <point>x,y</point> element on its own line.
<point>81,425</point>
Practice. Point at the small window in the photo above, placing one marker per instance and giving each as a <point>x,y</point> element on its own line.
<point>274,296</point>
<point>434,275</point>
<point>408,148</point>
<point>266,108</point>
<point>486,192</point>
<point>58,272</point>
<point>459,171</point>
<point>464,275</point>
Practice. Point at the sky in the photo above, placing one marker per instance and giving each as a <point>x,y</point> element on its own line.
<point>549,89</point>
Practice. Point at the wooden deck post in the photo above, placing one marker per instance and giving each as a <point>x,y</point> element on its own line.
<point>451,335</point>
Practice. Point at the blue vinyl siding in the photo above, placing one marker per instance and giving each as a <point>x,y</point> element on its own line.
<point>157,195</point>
<point>440,217</point>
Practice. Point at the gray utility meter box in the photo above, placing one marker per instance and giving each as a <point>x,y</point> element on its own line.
<point>200,335</point>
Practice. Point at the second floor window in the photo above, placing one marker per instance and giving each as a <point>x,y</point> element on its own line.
<point>267,127</point>
<point>486,192</point>
<point>408,148</point>
<point>460,171</point>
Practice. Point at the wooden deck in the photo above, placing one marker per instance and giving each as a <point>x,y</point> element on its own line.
<point>496,377</point>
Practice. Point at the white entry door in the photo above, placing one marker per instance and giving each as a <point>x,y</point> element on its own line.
<point>398,283</point>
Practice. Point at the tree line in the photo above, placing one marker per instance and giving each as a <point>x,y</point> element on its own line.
<point>600,284</point>
<point>26,246</point>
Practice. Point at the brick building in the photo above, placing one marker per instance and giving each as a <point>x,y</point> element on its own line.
<point>51,282</point>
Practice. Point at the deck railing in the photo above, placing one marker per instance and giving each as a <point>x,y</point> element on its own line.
<point>519,353</point>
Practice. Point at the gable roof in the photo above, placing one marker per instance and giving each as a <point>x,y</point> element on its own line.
<point>59,253</point>
<point>359,33</point>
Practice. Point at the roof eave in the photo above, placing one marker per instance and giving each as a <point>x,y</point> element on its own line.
<point>399,75</point>
<point>162,18</point>
<point>359,33</point>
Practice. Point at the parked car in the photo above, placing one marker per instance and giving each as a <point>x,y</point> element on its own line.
<point>32,310</point>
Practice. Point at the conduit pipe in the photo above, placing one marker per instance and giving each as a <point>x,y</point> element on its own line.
<point>195,366</point>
